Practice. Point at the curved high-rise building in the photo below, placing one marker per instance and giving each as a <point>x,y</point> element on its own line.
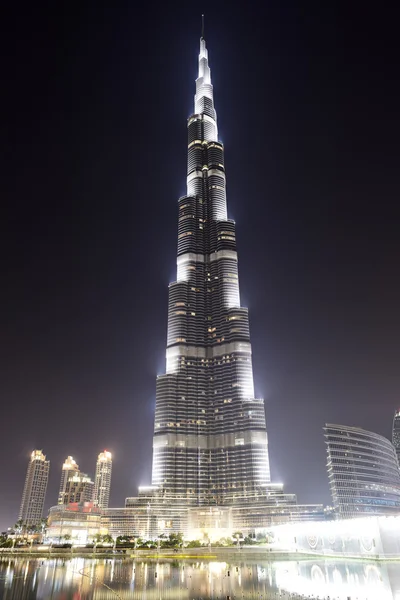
<point>210,439</point>
<point>396,433</point>
<point>363,473</point>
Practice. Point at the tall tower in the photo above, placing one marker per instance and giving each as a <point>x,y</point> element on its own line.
<point>396,433</point>
<point>102,480</point>
<point>69,469</point>
<point>210,440</point>
<point>35,487</point>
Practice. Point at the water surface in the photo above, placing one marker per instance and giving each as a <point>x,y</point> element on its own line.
<point>102,579</point>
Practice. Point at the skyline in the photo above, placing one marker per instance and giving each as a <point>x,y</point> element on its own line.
<point>323,296</point>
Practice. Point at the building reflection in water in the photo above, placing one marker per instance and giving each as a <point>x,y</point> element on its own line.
<point>101,579</point>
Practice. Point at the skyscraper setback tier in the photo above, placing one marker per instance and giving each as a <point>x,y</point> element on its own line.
<point>210,441</point>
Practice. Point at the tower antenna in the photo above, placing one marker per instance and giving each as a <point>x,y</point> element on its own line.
<point>202,27</point>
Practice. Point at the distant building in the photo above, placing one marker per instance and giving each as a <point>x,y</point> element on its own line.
<point>69,469</point>
<point>35,487</point>
<point>363,472</point>
<point>396,433</point>
<point>102,479</point>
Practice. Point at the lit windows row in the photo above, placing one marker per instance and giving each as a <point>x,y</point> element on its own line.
<point>183,422</point>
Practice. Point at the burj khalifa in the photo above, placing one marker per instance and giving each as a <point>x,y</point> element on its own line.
<point>210,444</point>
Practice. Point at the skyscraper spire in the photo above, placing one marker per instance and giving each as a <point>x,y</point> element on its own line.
<point>202,27</point>
<point>210,442</point>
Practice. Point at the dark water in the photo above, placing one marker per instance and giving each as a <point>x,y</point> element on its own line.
<point>100,579</point>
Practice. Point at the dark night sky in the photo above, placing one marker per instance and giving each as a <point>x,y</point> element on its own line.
<point>97,99</point>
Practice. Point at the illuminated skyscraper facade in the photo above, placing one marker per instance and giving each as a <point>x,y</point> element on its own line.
<point>69,469</point>
<point>102,480</point>
<point>79,488</point>
<point>363,472</point>
<point>210,440</point>
<point>35,487</point>
<point>396,434</point>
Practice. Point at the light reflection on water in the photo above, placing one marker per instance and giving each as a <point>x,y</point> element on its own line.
<point>101,579</point>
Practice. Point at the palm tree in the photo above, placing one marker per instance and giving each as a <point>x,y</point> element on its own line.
<point>19,526</point>
<point>108,539</point>
<point>43,525</point>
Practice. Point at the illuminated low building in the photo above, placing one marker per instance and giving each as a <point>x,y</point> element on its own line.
<point>78,523</point>
<point>272,506</point>
<point>156,513</point>
<point>373,537</point>
<point>123,522</point>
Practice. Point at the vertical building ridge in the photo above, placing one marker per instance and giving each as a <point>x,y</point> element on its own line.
<point>210,440</point>
<point>396,433</point>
